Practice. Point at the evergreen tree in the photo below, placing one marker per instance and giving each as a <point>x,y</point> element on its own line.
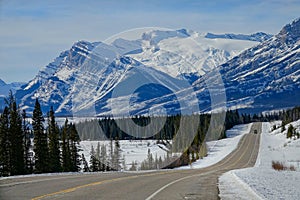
<point>74,142</point>
<point>54,149</point>
<point>66,155</point>
<point>291,131</point>
<point>85,164</point>
<point>282,127</point>
<point>40,140</point>
<point>28,159</point>
<point>111,157</point>
<point>150,160</point>
<point>97,154</point>
<point>117,156</point>
<point>93,161</point>
<point>16,139</point>
<point>4,143</point>
<point>133,166</point>
<point>124,163</point>
<point>160,162</point>
<point>103,158</point>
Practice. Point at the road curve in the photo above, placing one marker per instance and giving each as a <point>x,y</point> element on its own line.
<point>164,184</point>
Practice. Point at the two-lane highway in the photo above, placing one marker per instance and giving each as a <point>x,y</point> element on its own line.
<point>163,184</point>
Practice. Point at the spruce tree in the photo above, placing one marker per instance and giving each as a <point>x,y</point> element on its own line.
<point>16,139</point>
<point>93,161</point>
<point>150,160</point>
<point>291,131</point>
<point>54,149</point>
<point>4,143</point>
<point>66,155</point>
<point>97,156</point>
<point>40,140</point>
<point>27,145</point>
<point>74,142</point>
<point>103,158</point>
<point>133,166</point>
<point>116,164</point>
<point>85,164</point>
<point>282,127</point>
<point>111,156</point>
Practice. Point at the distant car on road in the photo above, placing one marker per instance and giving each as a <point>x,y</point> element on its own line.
<point>255,131</point>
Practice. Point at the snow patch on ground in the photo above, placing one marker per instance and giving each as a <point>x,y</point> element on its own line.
<point>218,150</point>
<point>262,179</point>
<point>132,150</point>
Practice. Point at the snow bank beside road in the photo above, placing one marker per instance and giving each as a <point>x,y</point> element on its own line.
<point>232,187</point>
<point>263,179</point>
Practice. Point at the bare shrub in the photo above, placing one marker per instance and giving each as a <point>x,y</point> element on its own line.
<point>279,166</point>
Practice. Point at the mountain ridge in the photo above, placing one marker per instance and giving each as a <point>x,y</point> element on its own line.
<point>163,57</point>
<point>259,36</point>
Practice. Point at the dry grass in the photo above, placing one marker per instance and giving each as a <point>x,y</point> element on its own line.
<point>279,166</point>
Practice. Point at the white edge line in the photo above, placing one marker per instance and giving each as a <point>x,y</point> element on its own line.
<point>171,183</point>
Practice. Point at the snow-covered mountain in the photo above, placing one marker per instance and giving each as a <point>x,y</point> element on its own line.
<point>5,88</point>
<point>264,77</point>
<point>161,70</point>
<point>84,77</point>
<point>184,52</point>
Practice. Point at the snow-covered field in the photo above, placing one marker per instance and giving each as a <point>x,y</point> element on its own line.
<point>137,150</point>
<point>132,150</point>
<point>262,181</point>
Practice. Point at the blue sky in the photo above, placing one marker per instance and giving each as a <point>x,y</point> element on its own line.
<point>34,32</point>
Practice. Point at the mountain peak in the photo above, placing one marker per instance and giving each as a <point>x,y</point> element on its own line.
<point>83,46</point>
<point>184,32</point>
<point>290,33</point>
<point>2,83</point>
<point>155,36</point>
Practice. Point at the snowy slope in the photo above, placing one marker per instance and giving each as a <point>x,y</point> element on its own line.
<point>183,52</point>
<point>164,68</point>
<point>5,88</point>
<point>264,77</point>
<point>54,83</point>
<point>253,37</point>
<point>82,80</point>
<point>262,181</point>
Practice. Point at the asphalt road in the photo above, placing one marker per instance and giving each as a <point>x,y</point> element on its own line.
<point>163,184</point>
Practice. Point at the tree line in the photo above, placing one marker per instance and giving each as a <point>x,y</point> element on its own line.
<point>44,147</point>
<point>108,128</point>
<point>286,117</point>
<point>27,148</point>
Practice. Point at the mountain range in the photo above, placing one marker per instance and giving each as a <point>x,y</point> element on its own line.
<point>168,72</point>
<point>5,88</point>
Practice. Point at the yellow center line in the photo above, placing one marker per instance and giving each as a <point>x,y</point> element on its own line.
<point>69,190</point>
